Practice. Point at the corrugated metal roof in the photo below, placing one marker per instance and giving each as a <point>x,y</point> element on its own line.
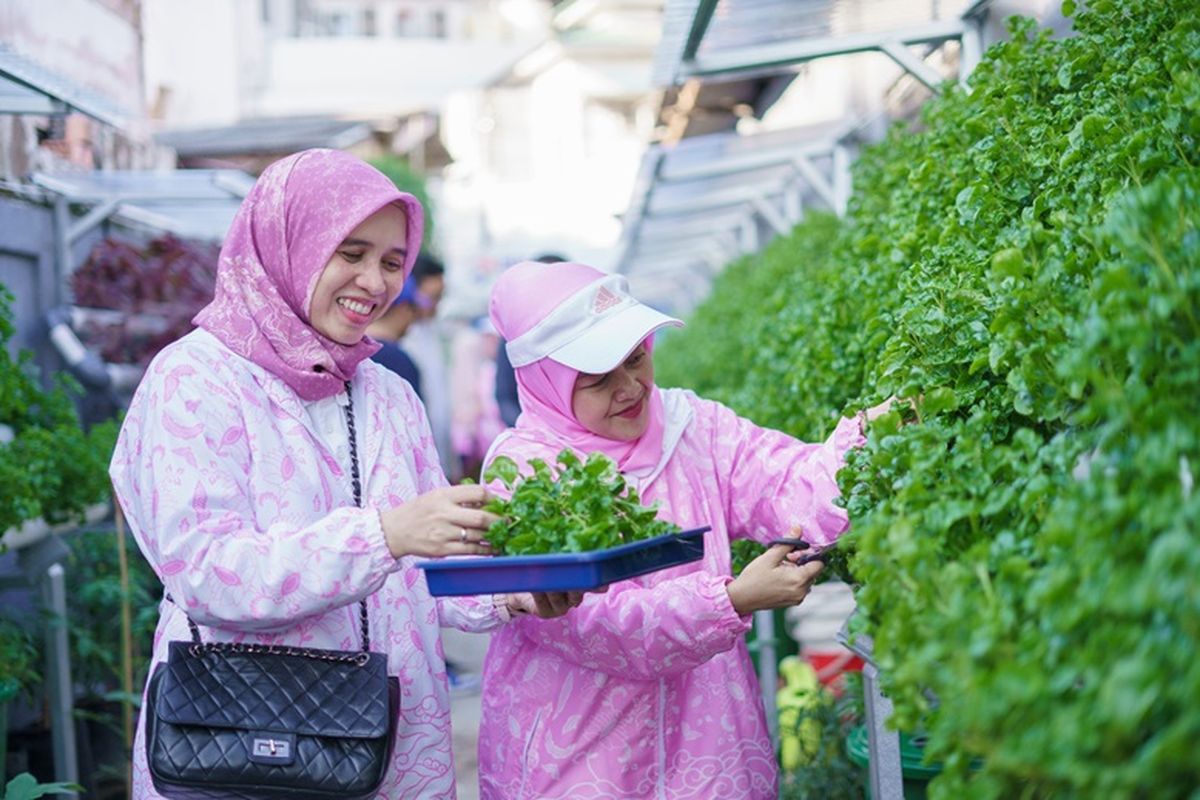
<point>694,202</point>
<point>266,136</point>
<point>713,197</point>
<point>27,87</point>
<point>748,26</point>
<point>198,203</point>
<point>739,23</point>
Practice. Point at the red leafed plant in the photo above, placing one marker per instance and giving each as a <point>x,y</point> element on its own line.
<point>156,290</point>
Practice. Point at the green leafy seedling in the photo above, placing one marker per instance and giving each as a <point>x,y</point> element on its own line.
<point>577,505</point>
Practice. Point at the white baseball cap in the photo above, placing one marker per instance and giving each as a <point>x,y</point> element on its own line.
<point>593,330</point>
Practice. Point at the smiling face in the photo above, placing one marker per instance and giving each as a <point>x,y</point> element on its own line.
<point>362,278</point>
<point>615,405</point>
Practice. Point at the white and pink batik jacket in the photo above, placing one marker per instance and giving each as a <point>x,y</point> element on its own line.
<point>246,512</point>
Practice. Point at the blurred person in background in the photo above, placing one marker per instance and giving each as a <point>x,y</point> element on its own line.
<point>476,419</point>
<point>248,440</point>
<point>647,690</point>
<point>425,343</point>
<point>390,328</point>
<point>507,399</point>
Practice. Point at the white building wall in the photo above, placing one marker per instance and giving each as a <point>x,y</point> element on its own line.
<point>362,77</point>
<point>545,165</point>
<point>544,157</point>
<point>203,60</point>
<point>93,44</point>
<point>93,47</point>
<point>214,62</point>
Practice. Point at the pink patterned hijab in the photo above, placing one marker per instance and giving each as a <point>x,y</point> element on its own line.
<point>522,297</point>
<point>288,227</point>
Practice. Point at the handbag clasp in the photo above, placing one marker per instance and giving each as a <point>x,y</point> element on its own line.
<point>272,747</point>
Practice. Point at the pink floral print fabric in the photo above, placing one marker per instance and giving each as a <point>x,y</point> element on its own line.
<point>299,210</point>
<point>648,691</point>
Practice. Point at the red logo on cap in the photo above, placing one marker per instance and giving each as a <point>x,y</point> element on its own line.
<point>605,300</point>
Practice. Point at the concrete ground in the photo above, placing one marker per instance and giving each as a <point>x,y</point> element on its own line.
<point>466,650</point>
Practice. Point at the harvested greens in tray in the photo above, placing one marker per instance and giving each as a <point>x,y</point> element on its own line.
<point>575,506</point>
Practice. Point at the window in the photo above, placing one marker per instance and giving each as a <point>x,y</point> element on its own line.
<point>403,22</point>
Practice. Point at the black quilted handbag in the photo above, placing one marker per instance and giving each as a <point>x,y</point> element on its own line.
<point>229,720</point>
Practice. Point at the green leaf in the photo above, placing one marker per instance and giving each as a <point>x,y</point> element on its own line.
<point>1009,263</point>
<point>26,787</point>
<point>938,400</point>
<point>503,469</point>
<point>887,424</point>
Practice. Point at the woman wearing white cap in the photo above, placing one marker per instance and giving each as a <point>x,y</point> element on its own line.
<point>646,691</point>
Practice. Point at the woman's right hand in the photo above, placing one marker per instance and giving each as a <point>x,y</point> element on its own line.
<point>443,522</point>
<point>772,581</point>
<point>546,605</point>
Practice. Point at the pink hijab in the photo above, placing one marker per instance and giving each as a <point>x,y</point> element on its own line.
<point>300,209</point>
<point>521,298</point>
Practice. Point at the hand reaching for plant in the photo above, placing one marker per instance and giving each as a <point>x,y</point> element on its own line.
<point>879,410</point>
<point>906,407</point>
<point>443,522</point>
<point>773,581</point>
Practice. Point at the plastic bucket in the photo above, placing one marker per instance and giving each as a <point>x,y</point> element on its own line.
<point>915,774</point>
<point>830,666</point>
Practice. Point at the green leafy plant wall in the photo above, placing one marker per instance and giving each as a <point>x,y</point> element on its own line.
<point>50,468</point>
<point>1027,261</point>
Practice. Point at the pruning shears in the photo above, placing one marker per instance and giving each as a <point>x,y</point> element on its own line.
<point>815,554</point>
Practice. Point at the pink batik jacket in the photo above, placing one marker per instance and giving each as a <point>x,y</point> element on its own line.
<point>249,520</point>
<point>648,691</point>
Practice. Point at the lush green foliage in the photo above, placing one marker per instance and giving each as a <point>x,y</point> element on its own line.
<point>18,657</point>
<point>96,603</point>
<point>575,507</point>
<point>408,180</point>
<point>1028,261</point>
<point>51,469</point>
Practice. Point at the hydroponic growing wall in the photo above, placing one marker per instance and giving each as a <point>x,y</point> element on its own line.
<point>1026,261</point>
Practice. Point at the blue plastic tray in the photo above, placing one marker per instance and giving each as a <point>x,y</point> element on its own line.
<point>562,572</point>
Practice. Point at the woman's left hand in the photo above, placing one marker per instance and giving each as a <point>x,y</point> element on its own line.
<point>892,403</point>
<point>878,411</point>
<point>546,605</point>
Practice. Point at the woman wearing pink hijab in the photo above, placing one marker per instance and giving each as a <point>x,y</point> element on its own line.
<point>646,691</point>
<point>237,471</point>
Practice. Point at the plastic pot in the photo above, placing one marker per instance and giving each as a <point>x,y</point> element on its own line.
<point>916,775</point>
